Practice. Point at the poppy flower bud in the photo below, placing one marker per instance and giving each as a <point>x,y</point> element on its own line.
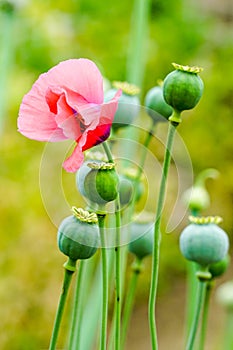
<point>224,295</point>
<point>100,183</point>
<point>197,198</point>
<point>203,241</point>
<point>142,235</point>
<point>78,234</point>
<point>183,88</point>
<point>128,106</point>
<point>217,269</point>
<point>156,106</point>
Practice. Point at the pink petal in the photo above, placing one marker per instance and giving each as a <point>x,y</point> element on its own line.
<point>36,118</point>
<point>79,75</point>
<point>73,163</point>
<point>109,109</point>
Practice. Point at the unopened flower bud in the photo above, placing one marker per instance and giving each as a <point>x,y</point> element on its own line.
<point>156,106</point>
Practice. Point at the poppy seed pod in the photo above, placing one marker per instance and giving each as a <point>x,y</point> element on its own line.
<point>156,106</point>
<point>183,88</point>
<point>142,235</point>
<point>78,235</point>
<point>128,106</point>
<point>203,241</point>
<point>101,183</point>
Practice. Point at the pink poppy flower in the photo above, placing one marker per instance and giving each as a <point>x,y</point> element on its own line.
<point>67,102</point>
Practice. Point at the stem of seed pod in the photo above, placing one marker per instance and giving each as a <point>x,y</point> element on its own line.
<point>118,301</point>
<point>191,289</point>
<point>77,314</point>
<point>129,300</point>
<point>69,270</point>
<point>104,322</point>
<point>209,287</point>
<point>200,301</point>
<point>156,246</point>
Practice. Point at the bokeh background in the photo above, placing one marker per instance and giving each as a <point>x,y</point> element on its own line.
<point>34,36</point>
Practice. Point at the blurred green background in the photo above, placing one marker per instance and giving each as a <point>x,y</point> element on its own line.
<point>34,36</point>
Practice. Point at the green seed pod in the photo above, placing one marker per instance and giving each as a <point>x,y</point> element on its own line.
<point>128,104</point>
<point>217,269</point>
<point>101,183</point>
<point>78,235</point>
<point>81,174</point>
<point>142,236</point>
<point>203,241</point>
<point>183,88</point>
<point>156,106</point>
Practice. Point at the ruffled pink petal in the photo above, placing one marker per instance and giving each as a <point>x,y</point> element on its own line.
<point>36,116</point>
<point>79,75</point>
<point>109,109</point>
<point>73,163</point>
<point>35,120</point>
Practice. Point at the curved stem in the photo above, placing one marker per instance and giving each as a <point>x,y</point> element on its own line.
<point>200,300</point>
<point>69,270</point>
<point>156,246</point>
<point>129,300</point>
<point>205,314</point>
<point>77,314</point>
<point>104,322</point>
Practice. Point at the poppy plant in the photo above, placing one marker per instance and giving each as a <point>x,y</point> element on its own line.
<point>67,102</point>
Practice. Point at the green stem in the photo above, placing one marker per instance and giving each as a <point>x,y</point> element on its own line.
<point>69,270</point>
<point>205,314</point>
<point>129,300</point>
<point>6,58</point>
<point>104,321</point>
<point>156,246</point>
<point>118,301</point>
<point>191,288</point>
<point>137,45</point>
<point>77,314</point>
<point>228,334</point>
<point>191,295</point>
<point>108,152</point>
<point>199,305</point>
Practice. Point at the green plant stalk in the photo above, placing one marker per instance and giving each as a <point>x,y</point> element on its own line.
<point>69,270</point>
<point>130,212</point>
<point>199,305</point>
<point>129,300</point>
<point>191,295</point>
<point>137,45</point>
<point>228,336</point>
<point>118,301</point>
<point>156,246</point>
<point>77,309</point>
<point>7,22</point>
<point>204,321</point>
<point>104,319</point>
<point>191,289</point>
